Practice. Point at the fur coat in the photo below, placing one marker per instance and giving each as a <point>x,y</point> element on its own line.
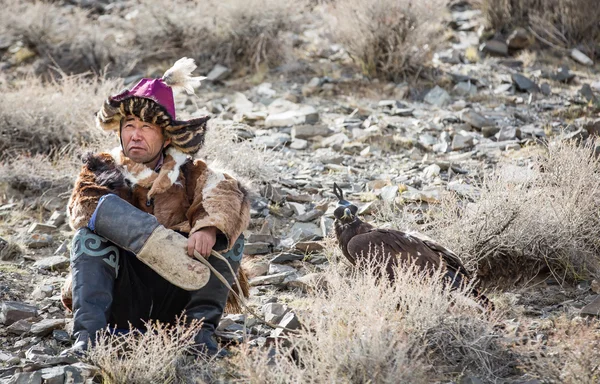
<point>184,195</point>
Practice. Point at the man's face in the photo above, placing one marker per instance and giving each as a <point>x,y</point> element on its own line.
<point>141,141</point>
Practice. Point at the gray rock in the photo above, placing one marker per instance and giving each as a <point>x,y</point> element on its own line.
<point>494,47</point>
<point>19,327</point>
<point>476,119</point>
<point>311,215</point>
<point>312,86</point>
<point>274,312</point>
<point>438,97</point>
<point>13,311</point>
<point>27,378</point>
<point>260,238</point>
<point>462,140</point>
<point>298,208</point>
<point>308,282</point>
<point>563,75</point>
<point>592,127</point>
<point>304,115</point>
<point>464,89</point>
<point>46,326</point>
<point>57,219</point>
<point>38,240</point>
<point>427,140</point>
<point>305,232</point>
<point>279,268</point>
<point>306,132</point>
<point>257,248</point>
<point>42,291</point>
<point>489,131</point>
<point>299,144</point>
<point>270,279</point>
<point>53,375</point>
<point>218,73</point>
<point>335,141</point>
<point>592,309</point>
<point>524,84</point>
<point>545,89</point>
<point>61,336</point>
<point>41,228</point>
<point>326,225</point>
<point>507,133</point>
<point>587,93</point>
<point>289,321</point>
<point>52,263</point>
<point>581,57</point>
<point>389,192</point>
<point>274,140</point>
<point>309,246</point>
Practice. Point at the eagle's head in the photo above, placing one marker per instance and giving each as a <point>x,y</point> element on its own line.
<point>345,211</point>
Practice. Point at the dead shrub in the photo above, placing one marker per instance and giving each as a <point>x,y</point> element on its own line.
<point>388,38</point>
<point>51,118</point>
<point>225,150</point>
<point>153,356</point>
<point>363,329</point>
<point>562,23</point>
<point>527,219</point>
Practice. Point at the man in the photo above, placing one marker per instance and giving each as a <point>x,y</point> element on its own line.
<point>128,262</point>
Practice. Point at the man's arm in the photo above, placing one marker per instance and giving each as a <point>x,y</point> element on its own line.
<point>220,206</point>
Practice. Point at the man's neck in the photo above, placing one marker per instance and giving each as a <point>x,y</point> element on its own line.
<point>157,163</point>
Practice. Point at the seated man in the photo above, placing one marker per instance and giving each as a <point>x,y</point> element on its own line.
<point>130,206</point>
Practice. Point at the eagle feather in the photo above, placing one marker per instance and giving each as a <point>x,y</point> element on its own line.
<point>179,76</point>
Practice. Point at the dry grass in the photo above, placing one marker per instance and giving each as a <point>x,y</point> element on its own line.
<point>530,218</point>
<point>225,150</point>
<point>132,38</point>
<point>157,355</point>
<point>388,38</point>
<point>562,23</point>
<point>51,118</point>
<point>362,329</point>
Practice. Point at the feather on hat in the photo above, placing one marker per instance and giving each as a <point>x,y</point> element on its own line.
<point>151,100</point>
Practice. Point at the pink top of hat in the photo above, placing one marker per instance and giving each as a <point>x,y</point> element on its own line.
<point>153,89</point>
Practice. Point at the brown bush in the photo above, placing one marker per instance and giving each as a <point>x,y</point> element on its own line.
<point>51,118</point>
<point>527,219</point>
<point>561,23</point>
<point>363,329</point>
<point>388,38</point>
<point>133,37</point>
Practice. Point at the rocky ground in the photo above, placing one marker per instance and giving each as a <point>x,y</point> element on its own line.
<point>381,142</point>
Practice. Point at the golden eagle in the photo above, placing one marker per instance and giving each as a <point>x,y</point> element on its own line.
<point>358,239</point>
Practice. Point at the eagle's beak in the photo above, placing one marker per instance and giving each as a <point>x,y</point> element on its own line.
<point>347,214</point>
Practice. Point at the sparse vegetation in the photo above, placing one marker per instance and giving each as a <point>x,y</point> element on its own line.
<point>559,23</point>
<point>529,219</point>
<point>388,38</point>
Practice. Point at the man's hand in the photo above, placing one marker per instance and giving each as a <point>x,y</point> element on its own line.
<point>202,241</point>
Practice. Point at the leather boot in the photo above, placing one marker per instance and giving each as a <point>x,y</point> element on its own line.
<point>209,302</point>
<point>94,267</point>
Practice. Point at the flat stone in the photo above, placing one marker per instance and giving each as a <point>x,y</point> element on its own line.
<point>335,141</point>
<point>592,309</point>
<point>389,192</point>
<point>326,225</point>
<point>545,89</point>
<point>280,268</point>
<point>260,238</point>
<point>462,140</point>
<point>524,83</point>
<point>308,282</point>
<point>274,312</point>
<point>269,279</point>
<point>581,57</point>
<point>19,327</point>
<point>52,263</point>
<point>438,97</point>
<point>57,219</point>
<point>38,240</point>
<point>46,326</point>
<point>507,133</point>
<point>61,336</point>
<point>13,311</point>
<point>258,248</point>
<point>495,47</point>
<point>274,140</point>
<point>289,321</point>
<point>489,131</point>
<point>465,89</point>
<point>432,171</point>
<point>306,132</point>
<point>218,73</point>
<point>298,208</point>
<point>305,232</point>
<point>564,75</point>
<point>311,215</point>
<point>53,375</point>
<point>41,228</point>
<point>476,119</point>
<point>27,378</point>
<point>587,93</point>
<point>299,144</point>
<point>304,115</point>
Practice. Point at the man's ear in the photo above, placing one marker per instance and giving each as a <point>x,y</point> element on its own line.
<point>167,141</point>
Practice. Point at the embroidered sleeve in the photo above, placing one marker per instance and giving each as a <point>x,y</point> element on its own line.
<point>219,201</point>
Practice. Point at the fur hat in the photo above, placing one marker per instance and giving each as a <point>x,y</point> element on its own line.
<point>151,100</point>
